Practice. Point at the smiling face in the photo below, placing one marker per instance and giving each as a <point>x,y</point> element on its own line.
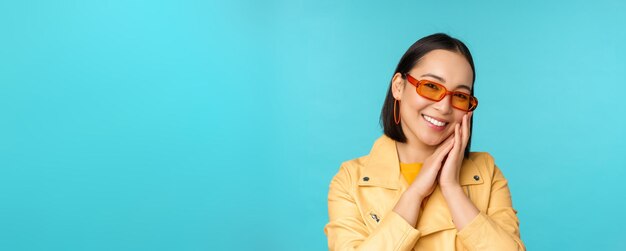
<point>425,121</point>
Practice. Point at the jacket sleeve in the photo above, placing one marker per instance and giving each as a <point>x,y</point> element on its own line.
<point>346,229</point>
<point>498,228</point>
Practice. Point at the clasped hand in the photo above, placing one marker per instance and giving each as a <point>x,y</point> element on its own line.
<point>444,165</point>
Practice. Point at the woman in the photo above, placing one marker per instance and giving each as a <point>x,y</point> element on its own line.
<point>420,188</point>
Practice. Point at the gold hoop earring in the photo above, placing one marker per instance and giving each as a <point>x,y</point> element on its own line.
<point>396,119</point>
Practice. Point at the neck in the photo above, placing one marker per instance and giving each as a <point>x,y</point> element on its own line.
<point>414,151</point>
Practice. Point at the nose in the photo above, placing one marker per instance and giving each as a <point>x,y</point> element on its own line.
<point>444,105</point>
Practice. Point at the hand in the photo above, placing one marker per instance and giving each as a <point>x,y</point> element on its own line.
<point>451,170</point>
<point>425,182</point>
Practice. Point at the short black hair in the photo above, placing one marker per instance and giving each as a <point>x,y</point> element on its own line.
<point>410,58</point>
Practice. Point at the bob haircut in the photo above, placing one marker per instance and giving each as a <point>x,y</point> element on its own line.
<point>410,58</point>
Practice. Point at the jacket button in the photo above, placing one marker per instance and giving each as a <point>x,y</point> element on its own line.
<point>366,178</point>
<point>375,217</point>
<point>476,178</point>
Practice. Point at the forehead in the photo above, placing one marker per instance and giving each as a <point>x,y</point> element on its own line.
<point>451,67</point>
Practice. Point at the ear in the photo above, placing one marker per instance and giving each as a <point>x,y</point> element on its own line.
<point>397,86</point>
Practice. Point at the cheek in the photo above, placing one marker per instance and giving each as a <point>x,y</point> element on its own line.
<point>413,111</point>
<point>416,104</point>
<point>458,117</point>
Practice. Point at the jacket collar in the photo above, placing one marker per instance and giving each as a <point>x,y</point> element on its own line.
<point>382,168</point>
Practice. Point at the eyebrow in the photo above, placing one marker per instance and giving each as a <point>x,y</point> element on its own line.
<point>438,78</point>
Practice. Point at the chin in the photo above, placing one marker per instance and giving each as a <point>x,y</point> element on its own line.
<point>430,140</point>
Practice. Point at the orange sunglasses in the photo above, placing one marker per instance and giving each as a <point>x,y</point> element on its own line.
<point>436,92</point>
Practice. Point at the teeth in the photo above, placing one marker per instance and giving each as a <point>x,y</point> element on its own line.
<point>434,121</point>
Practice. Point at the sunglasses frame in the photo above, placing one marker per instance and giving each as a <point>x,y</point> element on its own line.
<point>473,100</point>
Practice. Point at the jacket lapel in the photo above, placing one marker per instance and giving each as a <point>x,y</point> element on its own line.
<point>383,167</point>
<point>470,173</point>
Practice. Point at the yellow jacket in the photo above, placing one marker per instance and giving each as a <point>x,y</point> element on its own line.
<point>365,190</point>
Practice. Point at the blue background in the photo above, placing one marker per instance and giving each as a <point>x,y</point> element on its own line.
<point>195,125</point>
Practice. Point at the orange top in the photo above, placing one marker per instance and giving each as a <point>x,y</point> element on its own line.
<point>410,171</point>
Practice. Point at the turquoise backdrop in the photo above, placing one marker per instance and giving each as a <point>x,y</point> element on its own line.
<point>204,125</point>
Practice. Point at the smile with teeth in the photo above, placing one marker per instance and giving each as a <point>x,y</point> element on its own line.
<point>434,121</point>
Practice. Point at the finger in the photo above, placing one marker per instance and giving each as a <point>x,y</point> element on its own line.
<point>437,159</point>
<point>444,148</point>
<point>457,140</point>
<point>456,147</point>
<point>462,125</point>
<point>466,130</point>
<point>443,145</point>
<point>445,152</point>
<point>453,148</point>
<point>432,171</point>
<point>468,123</point>
<point>454,152</point>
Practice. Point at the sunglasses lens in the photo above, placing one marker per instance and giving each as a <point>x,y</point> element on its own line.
<point>431,91</point>
<point>461,101</point>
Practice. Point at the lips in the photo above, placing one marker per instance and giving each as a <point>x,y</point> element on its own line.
<point>438,123</point>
